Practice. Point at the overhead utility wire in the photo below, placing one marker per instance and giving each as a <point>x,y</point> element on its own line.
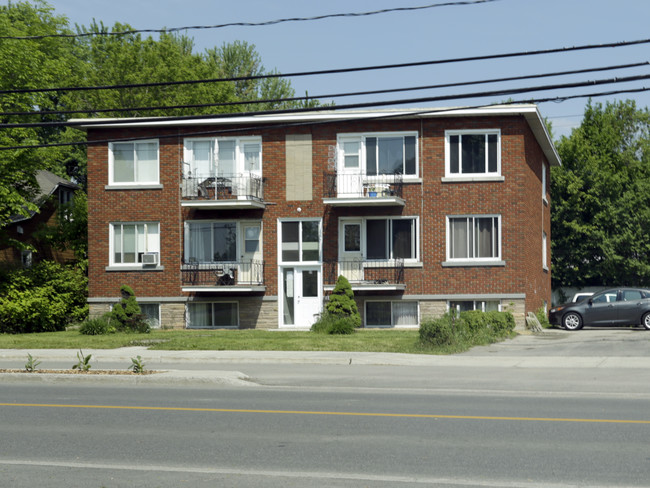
<point>335,71</point>
<point>322,122</point>
<point>502,92</point>
<point>255,24</point>
<point>333,95</point>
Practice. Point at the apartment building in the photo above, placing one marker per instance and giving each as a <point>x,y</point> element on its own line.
<point>247,221</point>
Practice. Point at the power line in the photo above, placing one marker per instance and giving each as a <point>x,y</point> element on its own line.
<point>493,93</point>
<point>334,95</point>
<point>335,71</point>
<point>299,124</point>
<point>254,24</point>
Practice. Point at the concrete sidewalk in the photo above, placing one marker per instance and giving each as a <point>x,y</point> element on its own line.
<point>557,350</point>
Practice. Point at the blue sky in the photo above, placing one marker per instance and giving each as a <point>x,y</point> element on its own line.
<point>438,33</point>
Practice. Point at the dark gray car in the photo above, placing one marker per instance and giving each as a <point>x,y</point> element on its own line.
<point>616,306</point>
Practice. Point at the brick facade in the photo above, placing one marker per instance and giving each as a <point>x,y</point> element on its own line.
<point>520,282</point>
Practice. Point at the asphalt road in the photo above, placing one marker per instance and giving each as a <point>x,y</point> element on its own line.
<point>270,437</point>
<point>557,410</point>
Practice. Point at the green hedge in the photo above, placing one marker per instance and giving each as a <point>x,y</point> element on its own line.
<point>468,328</point>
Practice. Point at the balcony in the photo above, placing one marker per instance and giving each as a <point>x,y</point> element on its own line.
<point>230,277</point>
<point>370,275</point>
<point>225,191</point>
<point>358,190</point>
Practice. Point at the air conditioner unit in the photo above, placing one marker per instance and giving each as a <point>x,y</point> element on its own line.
<point>150,258</point>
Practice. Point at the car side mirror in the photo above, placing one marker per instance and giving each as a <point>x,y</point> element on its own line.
<point>591,301</point>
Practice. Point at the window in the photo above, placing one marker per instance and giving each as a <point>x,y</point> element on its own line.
<point>252,238</point>
<point>379,154</point>
<point>352,237</point>
<point>226,157</point>
<point>65,196</point>
<point>473,153</point>
<point>300,241</point>
<point>392,314</point>
<point>133,162</point>
<point>212,241</point>
<point>151,311</point>
<point>26,258</point>
<point>544,255</point>
<point>473,238</point>
<point>391,238</point>
<point>131,241</point>
<point>482,305</point>
<point>212,315</point>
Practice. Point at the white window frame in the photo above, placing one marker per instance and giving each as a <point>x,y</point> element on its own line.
<point>544,251</point>
<point>415,246</point>
<point>240,155</point>
<point>343,221</point>
<point>392,324</point>
<point>480,303</point>
<point>135,182</point>
<point>474,259</point>
<point>487,173</point>
<point>239,236</point>
<point>188,324</point>
<point>300,242</point>
<point>151,245</point>
<point>361,138</point>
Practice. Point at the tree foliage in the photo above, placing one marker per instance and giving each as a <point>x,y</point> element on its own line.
<point>341,303</point>
<point>28,64</point>
<point>601,199</point>
<point>100,60</point>
<point>44,298</point>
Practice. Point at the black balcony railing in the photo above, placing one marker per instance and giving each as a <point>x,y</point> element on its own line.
<point>342,185</point>
<point>222,187</point>
<point>232,273</point>
<point>365,272</point>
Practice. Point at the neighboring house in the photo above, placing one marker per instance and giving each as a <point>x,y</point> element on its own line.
<point>246,221</point>
<point>53,191</point>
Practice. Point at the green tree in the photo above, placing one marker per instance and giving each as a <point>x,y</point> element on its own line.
<point>28,64</point>
<point>341,303</point>
<point>600,217</point>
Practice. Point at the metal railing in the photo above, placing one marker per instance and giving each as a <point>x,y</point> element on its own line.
<point>339,185</point>
<point>231,273</point>
<point>366,272</point>
<point>222,187</point>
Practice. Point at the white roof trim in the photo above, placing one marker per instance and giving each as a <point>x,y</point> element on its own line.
<point>529,111</point>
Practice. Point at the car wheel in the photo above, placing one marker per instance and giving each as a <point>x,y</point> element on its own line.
<point>573,321</point>
<point>646,321</point>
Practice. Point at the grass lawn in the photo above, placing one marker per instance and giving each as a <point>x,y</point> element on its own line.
<point>364,340</point>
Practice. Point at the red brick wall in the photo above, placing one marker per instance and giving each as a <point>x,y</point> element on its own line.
<point>517,199</point>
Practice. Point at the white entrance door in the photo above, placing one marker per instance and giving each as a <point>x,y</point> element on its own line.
<point>250,268</point>
<point>349,182</point>
<point>350,254</point>
<point>301,296</point>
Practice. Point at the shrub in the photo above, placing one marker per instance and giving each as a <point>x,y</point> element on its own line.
<point>43,298</point>
<point>501,323</point>
<point>97,326</point>
<point>341,302</point>
<point>127,314</point>
<point>437,332</point>
<point>342,326</point>
<point>469,329</point>
<point>333,324</point>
